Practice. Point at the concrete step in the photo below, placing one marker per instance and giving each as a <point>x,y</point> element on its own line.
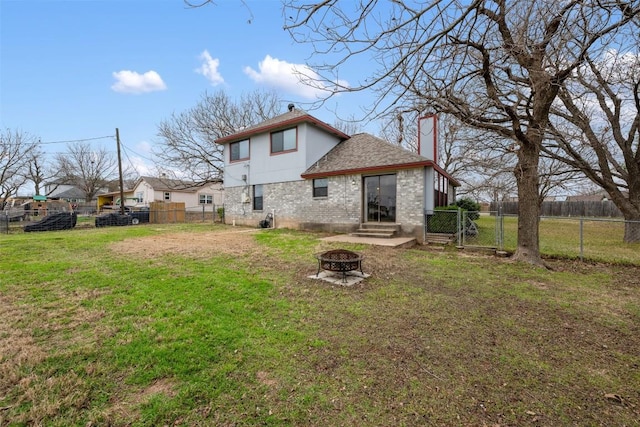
<point>377,230</point>
<point>380,226</point>
<point>440,238</point>
<point>369,233</point>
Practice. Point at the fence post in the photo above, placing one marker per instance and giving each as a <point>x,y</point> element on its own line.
<point>581,239</point>
<point>500,229</point>
<point>424,227</point>
<point>459,227</point>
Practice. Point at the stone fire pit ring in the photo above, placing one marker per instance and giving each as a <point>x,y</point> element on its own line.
<point>339,261</point>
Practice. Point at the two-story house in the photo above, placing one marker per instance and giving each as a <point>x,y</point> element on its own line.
<point>316,177</point>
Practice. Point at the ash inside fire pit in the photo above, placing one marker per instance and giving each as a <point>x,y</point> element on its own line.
<point>341,261</point>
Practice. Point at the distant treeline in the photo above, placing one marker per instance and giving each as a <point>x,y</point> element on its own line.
<point>605,208</point>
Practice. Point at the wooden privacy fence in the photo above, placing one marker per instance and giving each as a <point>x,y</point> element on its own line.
<point>603,209</point>
<point>164,213</point>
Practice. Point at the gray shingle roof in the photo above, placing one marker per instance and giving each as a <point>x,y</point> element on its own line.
<point>364,152</point>
<point>72,193</point>
<point>166,184</point>
<point>289,118</point>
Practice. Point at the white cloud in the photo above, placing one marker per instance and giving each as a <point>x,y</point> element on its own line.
<point>144,147</point>
<point>141,166</point>
<point>209,68</point>
<point>132,82</point>
<point>297,79</point>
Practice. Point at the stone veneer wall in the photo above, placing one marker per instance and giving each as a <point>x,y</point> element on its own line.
<point>340,212</point>
<point>410,202</point>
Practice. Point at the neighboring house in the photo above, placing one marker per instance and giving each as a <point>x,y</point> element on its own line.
<point>598,196</point>
<point>68,192</point>
<point>316,177</point>
<point>208,196</point>
<point>111,200</point>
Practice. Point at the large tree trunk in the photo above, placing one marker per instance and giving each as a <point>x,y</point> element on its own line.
<point>632,230</point>
<point>526,173</point>
<point>631,212</point>
<point>629,205</point>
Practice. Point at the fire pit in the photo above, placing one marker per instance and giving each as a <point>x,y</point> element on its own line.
<point>339,260</point>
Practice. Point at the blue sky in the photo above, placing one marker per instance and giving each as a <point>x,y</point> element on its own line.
<point>77,69</point>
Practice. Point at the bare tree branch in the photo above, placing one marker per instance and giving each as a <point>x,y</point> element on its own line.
<point>495,65</point>
<point>86,168</point>
<point>15,150</point>
<point>187,139</point>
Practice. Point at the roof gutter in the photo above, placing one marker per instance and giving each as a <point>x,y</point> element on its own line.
<point>386,168</point>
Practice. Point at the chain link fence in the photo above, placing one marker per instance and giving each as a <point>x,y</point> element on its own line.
<point>4,223</point>
<point>595,239</point>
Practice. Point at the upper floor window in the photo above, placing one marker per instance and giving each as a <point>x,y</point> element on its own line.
<point>320,187</point>
<point>284,140</point>
<point>239,150</point>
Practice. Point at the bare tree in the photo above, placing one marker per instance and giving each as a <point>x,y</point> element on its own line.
<point>349,126</point>
<point>480,160</point>
<point>15,149</point>
<point>596,129</point>
<point>40,171</point>
<point>187,139</point>
<point>497,65</point>
<point>86,168</point>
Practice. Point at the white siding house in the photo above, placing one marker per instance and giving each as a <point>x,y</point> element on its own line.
<point>149,189</point>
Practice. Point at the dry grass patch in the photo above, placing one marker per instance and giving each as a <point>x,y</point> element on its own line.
<point>202,245</point>
<point>124,405</point>
<point>431,338</point>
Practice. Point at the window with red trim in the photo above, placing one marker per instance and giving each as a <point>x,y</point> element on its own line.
<point>284,140</point>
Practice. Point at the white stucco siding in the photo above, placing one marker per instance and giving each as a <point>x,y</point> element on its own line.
<point>264,167</point>
<point>233,172</point>
<point>190,198</point>
<point>429,177</point>
<point>317,143</point>
<point>144,191</point>
<point>186,198</point>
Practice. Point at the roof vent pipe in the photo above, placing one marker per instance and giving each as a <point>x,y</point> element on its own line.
<point>291,107</point>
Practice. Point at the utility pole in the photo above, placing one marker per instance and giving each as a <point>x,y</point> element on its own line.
<point>120,173</point>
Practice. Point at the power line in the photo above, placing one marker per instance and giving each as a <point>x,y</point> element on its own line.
<point>74,140</point>
<point>130,162</point>
<point>125,148</point>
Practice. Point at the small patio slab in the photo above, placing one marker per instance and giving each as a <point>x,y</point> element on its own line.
<point>351,277</point>
<point>395,242</point>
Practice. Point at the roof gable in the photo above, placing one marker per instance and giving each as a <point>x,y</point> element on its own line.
<point>290,118</point>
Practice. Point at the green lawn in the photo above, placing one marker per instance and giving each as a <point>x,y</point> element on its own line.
<point>602,240</point>
<point>213,325</point>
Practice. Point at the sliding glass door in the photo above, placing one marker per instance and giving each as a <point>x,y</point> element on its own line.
<point>380,198</point>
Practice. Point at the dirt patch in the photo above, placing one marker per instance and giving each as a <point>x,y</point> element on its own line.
<point>205,245</point>
<point>126,407</point>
